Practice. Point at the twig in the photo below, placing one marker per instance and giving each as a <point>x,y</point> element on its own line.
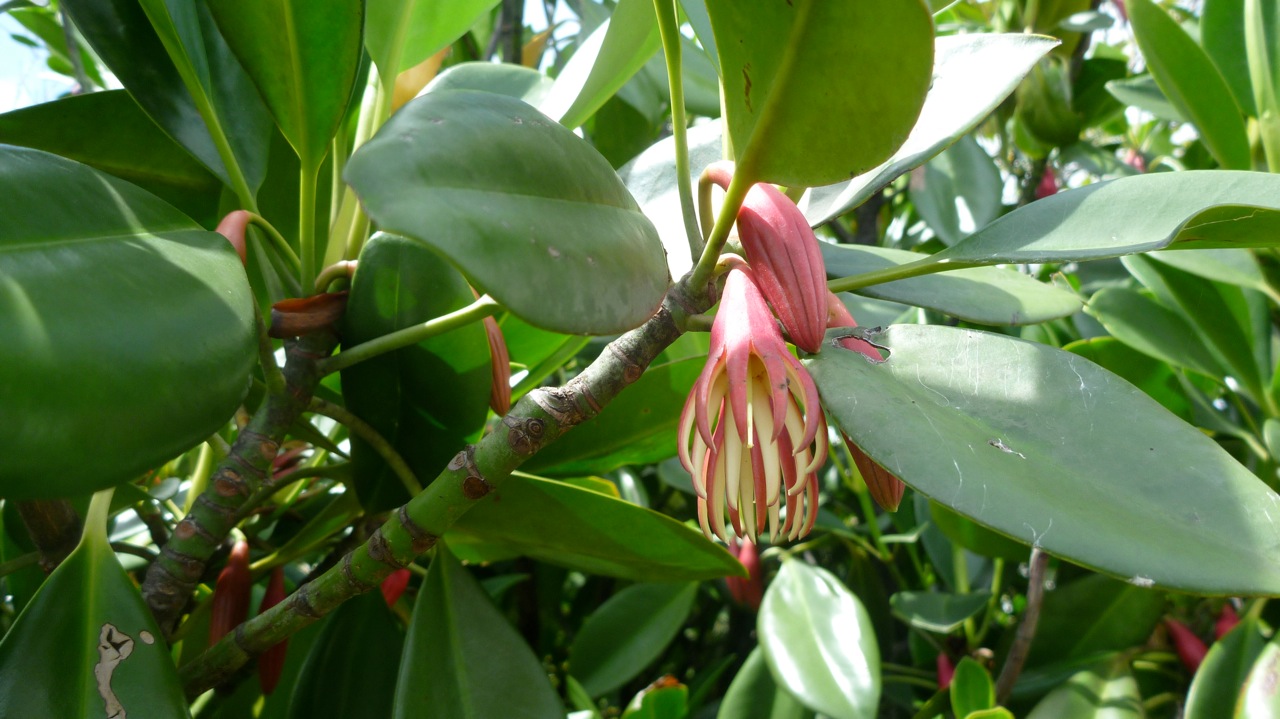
<point>365,431</point>
<point>1026,628</point>
<point>54,527</point>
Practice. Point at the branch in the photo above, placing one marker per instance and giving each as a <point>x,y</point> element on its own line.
<point>538,419</point>
<point>174,574</point>
<point>1026,629</point>
<point>54,527</point>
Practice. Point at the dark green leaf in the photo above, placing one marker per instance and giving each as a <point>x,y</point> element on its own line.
<point>819,642</point>
<point>960,191</point>
<point>789,116</point>
<point>1224,671</point>
<point>985,295</point>
<point>87,642</point>
<point>129,330</point>
<point>303,58</point>
<point>935,611</point>
<point>1143,93</point>
<point>1180,210</point>
<point>1222,34</point>
<point>975,537</point>
<point>1094,614</point>
<point>1191,82</point>
<point>350,672</point>
<point>1045,446</point>
<point>971,689</point>
<point>1153,329</point>
<point>627,633</point>
<point>1152,376</point>
<point>403,33</point>
<point>754,695</point>
<point>659,701</point>
<point>532,214</point>
<point>428,400</point>
<point>463,660</point>
<point>1106,692</point>
<point>561,524</point>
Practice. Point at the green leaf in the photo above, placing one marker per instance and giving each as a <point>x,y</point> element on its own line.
<point>1143,93</point>
<point>1199,209</point>
<point>427,400</point>
<point>516,81</point>
<point>1094,614</point>
<point>580,529</point>
<point>971,75</point>
<point>1262,50</point>
<point>463,660</point>
<point>1191,82</point>
<point>603,63</point>
<point>819,642</point>
<point>935,611</point>
<point>1152,376</point>
<point>1107,692</point>
<point>1047,447</point>
<point>660,701</point>
<point>530,213</point>
<point>1222,34</point>
<point>1224,671</point>
<point>87,643</point>
<point>1045,106</point>
<point>754,695</point>
<point>403,33</point>
<point>789,115</point>
<point>627,633</point>
<point>1237,267</point>
<point>639,427</point>
<point>129,332</point>
<point>109,132</point>
<point>303,58</point>
<point>971,689</point>
<point>985,295</point>
<point>1153,329</point>
<point>961,191</point>
<point>130,44</point>
<point>975,537</point>
<point>351,669</point>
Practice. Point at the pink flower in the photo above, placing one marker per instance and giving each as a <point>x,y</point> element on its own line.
<point>782,249</point>
<point>752,433</point>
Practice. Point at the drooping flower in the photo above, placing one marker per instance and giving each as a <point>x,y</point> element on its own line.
<point>883,486</point>
<point>752,433</point>
<point>782,249</point>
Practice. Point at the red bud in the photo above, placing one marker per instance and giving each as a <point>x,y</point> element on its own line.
<point>304,315</point>
<point>1048,184</point>
<point>231,594</point>
<point>271,662</point>
<point>1226,621</point>
<point>233,227</point>
<point>946,670</point>
<point>1191,649</point>
<point>394,585</point>
<point>500,391</point>
<point>750,591</point>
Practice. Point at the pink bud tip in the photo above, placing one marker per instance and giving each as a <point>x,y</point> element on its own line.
<point>1190,648</point>
<point>1226,621</point>
<point>946,671</point>
<point>1048,184</point>
<point>233,227</point>
<point>394,585</point>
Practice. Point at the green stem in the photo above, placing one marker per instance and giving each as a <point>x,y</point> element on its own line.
<point>307,179</point>
<point>924,266</point>
<point>733,197</point>
<point>20,562</point>
<point>409,336</point>
<point>669,29</point>
<point>365,431</point>
<point>936,705</point>
<point>278,241</point>
<point>997,577</point>
<point>271,373</point>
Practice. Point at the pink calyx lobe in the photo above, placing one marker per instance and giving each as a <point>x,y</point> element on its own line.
<point>784,253</point>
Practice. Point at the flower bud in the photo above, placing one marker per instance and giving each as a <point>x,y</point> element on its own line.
<point>233,227</point>
<point>500,390</point>
<point>750,591</point>
<point>231,594</point>
<point>1190,648</point>
<point>1227,621</point>
<point>271,662</point>
<point>946,670</point>
<point>882,485</point>
<point>394,585</point>
<point>1048,184</point>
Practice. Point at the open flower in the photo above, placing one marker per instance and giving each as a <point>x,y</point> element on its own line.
<point>752,433</point>
<point>782,249</point>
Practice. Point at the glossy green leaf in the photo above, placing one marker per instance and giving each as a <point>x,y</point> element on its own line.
<point>403,33</point>
<point>819,642</point>
<point>975,537</point>
<point>1191,82</point>
<point>428,400</point>
<point>971,75</point>
<point>959,191</point>
<point>1237,267</point>
<point>303,58</point>
<point>659,701</point>
<point>1104,692</point>
<point>463,660</point>
<point>936,611</point>
<point>516,81</point>
<point>789,116</point>
<point>603,63</point>
<point>627,633</point>
<point>133,360</point>
<point>530,213</point>
<point>1225,670</point>
<point>639,427</point>
<point>86,643</point>
<point>351,669</point>
<point>1157,378</point>
<point>1094,614</point>
<point>1262,50</point>
<point>109,132</point>
<point>1045,106</point>
<point>985,295</point>
<point>142,50</point>
<point>971,689</point>
<point>1045,446</point>
<point>1205,209</point>
<point>1143,93</point>
<point>1222,35</point>
<point>753,694</point>
<point>564,525</point>
<point>1153,329</point>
